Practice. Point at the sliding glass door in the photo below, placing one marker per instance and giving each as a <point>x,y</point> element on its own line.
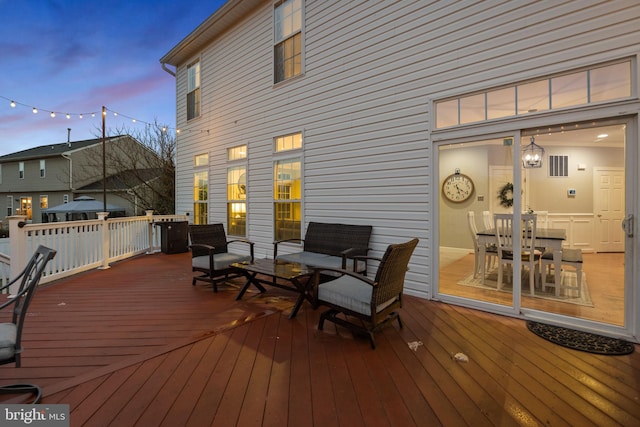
<point>578,196</point>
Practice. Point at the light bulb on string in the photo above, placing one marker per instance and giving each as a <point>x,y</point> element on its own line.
<point>68,116</point>
<point>52,114</point>
<point>13,104</point>
<point>35,110</point>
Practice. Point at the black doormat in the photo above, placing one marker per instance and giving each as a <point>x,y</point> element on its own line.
<point>579,340</point>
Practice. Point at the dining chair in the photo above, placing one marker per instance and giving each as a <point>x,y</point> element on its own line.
<point>491,252</point>
<point>571,258</point>
<point>487,219</point>
<point>529,255</point>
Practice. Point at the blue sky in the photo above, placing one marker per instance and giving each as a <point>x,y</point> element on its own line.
<point>71,56</point>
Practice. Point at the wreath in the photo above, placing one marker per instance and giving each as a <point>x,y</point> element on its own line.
<point>504,193</point>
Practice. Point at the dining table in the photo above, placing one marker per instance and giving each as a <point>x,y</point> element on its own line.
<point>550,238</point>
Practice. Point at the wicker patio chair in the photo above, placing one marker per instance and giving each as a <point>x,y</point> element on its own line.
<point>210,255</point>
<point>18,301</point>
<point>372,303</point>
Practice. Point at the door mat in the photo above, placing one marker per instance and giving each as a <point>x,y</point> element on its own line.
<point>583,341</point>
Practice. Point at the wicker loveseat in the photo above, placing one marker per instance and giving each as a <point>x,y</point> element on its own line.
<point>331,246</point>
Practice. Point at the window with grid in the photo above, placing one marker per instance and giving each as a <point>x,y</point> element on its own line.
<point>193,90</point>
<point>44,202</point>
<point>201,189</point>
<point>9,205</point>
<point>287,25</point>
<point>237,200</point>
<point>602,83</point>
<point>287,188</point>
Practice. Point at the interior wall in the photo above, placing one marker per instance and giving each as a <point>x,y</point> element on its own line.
<point>545,193</point>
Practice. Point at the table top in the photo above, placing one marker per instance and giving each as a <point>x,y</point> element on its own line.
<point>541,233</point>
<point>279,269</point>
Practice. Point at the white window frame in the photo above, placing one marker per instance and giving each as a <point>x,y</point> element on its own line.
<point>43,168</point>
<point>193,90</point>
<point>286,29</point>
<point>21,170</point>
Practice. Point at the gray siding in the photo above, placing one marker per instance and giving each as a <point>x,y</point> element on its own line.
<point>371,69</point>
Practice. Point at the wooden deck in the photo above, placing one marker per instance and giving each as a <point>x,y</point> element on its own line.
<point>136,344</point>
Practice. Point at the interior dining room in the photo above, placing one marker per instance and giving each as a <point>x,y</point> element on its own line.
<point>572,182</point>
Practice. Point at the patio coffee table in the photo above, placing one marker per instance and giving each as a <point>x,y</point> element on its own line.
<point>291,272</point>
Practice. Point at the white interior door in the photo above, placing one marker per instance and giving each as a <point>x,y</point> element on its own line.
<point>608,207</point>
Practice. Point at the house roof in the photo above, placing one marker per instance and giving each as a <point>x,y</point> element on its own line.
<point>224,18</point>
<point>52,150</point>
<point>124,180</point>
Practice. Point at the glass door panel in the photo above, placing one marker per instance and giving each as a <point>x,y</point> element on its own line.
<point>580,191</point>
<point>475,181</point>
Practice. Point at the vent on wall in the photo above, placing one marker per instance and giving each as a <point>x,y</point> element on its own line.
<point>558,165</point>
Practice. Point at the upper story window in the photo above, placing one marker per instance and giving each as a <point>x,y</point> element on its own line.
<point>21,170</point>
<point>193,90</point>
<point>42,169</point>
<point>287,25</point>
<point>602,83</point>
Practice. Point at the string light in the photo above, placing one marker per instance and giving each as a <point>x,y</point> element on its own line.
<point>69,115</point>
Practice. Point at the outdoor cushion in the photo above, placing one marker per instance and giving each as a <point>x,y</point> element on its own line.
<point>351,293</point>
<point>313,259</point>
<point>220,261</point>
<point>8,334</point>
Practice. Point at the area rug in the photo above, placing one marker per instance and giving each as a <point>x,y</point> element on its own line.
<point>568,278</point>
<point>583,341</point>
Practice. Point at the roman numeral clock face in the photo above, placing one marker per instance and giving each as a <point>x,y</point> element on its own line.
<point>457,188</point>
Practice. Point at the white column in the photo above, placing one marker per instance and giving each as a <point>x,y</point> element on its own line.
<point>105,239</point>
<point>17,246</point>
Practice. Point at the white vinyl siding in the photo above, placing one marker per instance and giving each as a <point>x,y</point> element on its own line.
<point>371,72</point>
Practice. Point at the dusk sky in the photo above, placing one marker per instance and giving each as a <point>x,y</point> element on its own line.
<point>72,56</point>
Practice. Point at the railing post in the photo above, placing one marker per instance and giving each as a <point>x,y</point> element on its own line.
<point>102,216</point>
<point>17,245</point>
<point>150,218</point>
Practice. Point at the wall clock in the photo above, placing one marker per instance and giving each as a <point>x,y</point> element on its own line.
<point>457,187</point>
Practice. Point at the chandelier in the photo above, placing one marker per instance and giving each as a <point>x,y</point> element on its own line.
<point>532,155</point>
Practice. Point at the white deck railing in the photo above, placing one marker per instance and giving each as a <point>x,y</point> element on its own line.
<point>81,245</point>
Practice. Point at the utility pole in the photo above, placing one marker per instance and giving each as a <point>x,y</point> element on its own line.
<point>104,161</point>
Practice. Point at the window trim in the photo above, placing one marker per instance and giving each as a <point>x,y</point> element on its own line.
<point>43,168</point>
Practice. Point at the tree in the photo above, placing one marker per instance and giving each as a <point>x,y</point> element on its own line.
<point>143,173</point>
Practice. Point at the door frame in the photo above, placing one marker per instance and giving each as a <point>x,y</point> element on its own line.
<point>631,328</point>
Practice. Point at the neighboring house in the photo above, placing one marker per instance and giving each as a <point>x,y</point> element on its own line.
<point>35,179</point>
<point>358,112</point>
